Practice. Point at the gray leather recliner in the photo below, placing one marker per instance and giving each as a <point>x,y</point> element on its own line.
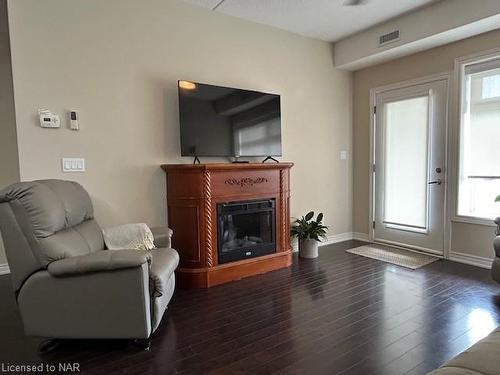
<point>67,285</point>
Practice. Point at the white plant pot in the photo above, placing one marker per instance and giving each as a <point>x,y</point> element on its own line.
<point>308,248</point>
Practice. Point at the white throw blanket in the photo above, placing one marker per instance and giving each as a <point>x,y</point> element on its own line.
<point>129,236</point>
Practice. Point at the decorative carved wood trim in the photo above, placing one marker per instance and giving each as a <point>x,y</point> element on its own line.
<point>282,209</point>
<point>207,213</point>
<point>246,181</point>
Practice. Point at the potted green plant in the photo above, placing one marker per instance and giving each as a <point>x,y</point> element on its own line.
<point>309,232</point>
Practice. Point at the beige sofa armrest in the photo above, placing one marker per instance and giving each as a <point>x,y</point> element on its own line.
<point>106,260</point>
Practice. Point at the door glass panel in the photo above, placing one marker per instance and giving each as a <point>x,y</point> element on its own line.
<point>405,163</point>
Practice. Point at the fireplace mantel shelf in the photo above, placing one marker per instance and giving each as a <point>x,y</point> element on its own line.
<point>227,166</point>
<point>193,193</point>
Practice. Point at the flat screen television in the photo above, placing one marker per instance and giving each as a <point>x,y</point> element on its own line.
<point>224,121</point>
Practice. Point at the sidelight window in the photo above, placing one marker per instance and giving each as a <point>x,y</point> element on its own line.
<point>479,156</point>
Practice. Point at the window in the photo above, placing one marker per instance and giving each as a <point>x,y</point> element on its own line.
<point>479,167</point>
<point>491,86</point>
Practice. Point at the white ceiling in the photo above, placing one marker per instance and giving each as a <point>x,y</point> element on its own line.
<point>327,20</point>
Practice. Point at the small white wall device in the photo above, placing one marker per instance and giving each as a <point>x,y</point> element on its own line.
<point>74,120</point>
<point>73,164</point>
<point>48,119</point>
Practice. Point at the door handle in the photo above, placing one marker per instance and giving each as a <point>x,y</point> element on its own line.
<point>436,182</point>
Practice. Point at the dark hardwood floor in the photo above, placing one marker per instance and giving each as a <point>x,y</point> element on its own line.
<point>339,314</point>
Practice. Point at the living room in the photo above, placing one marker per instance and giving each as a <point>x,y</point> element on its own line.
<point>393,273</point>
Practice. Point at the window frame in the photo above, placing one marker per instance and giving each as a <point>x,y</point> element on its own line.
<point>459,72</point>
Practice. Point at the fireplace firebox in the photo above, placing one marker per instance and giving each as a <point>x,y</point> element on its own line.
<point>246,229</point>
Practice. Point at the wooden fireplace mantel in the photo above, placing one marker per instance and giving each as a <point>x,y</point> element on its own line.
<point>193,192</point>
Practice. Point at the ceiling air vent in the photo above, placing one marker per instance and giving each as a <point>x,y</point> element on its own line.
<point>388,38</point>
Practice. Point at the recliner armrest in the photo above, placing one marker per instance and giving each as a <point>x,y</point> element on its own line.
<point>162,237</point>
<point>106,260</point>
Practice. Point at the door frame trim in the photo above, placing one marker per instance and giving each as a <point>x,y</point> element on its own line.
<point>445,76</point>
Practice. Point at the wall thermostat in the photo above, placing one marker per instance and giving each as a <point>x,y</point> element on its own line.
<point>74,120</point>
<point>48,119</point>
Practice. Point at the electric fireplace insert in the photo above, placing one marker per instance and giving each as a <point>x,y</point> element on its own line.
<point>246,229</point>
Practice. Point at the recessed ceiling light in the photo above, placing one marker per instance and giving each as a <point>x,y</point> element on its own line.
<point>187,85</point>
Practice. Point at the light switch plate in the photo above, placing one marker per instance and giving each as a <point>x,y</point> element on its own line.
<point>73,165</point>
<point>343,155</point>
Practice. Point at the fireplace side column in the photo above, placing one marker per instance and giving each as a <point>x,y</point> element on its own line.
<point>209,219</point>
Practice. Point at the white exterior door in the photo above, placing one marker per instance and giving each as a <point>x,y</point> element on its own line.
<point>409,166</point>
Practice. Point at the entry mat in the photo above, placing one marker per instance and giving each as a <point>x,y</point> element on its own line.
<point>404,258</point>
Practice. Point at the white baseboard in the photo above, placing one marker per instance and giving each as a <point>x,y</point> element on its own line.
<point>360,236</point>
<point>334,238</point>
<point>472,260</point>
<point>4,269</point>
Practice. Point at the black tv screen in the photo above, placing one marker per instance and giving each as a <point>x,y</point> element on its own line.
<point>223,121</point>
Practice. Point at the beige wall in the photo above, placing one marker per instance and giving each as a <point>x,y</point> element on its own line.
<point>118,65</point>
<point>9,163</point>
<point>466,238</point>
